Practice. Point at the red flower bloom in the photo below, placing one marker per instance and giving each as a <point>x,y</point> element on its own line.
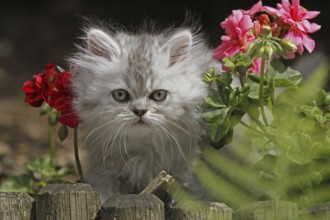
<point>61,99</point>
<point>38,89</point>
<point>69,118</point>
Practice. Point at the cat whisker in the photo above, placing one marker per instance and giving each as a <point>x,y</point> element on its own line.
<point>106,150</point>
<point>171,137</point>
<point>116,134</point>
<point>100,127</point>
<point>188,134</point>
<point>162,143</point>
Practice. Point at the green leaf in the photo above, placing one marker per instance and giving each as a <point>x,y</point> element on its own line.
<point>20,183</point>
<point>327,100</point>
<point>218,115</point>
<point>62,132</point>
<point>283,76</point>
<point>63,171</point>
<point>219,129</point>
<point>261,145</point>
<point>308,89</point>
<point>301,149</point>
<point>314,112</point>
<point>219,123</point>
<point>266,166</point>
<point>323,152</point>
<point>227,62</point>
<point>226,139</point>
<point>320,97</point>
<point>213,103</point>
<point>208,76</point>
<point>254,89</point>
<point>234,98</point>
<point>41,166</point>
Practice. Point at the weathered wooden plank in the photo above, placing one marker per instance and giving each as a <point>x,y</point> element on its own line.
<point>197,210</point>
<point>16,206</point>
<point>270,210</point>
<point>133,207</point>
<point>67,202</point>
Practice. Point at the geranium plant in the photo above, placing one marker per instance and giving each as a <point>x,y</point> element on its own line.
<point>287,120</point>
<point>49,90</point>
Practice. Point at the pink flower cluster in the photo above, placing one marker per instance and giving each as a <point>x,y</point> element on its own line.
<point>295,18</point>
<point>287,21</point>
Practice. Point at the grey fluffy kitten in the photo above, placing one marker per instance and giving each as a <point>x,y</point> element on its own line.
<point>138,96</point>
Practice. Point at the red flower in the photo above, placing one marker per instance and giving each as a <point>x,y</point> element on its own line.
<point>69,118</point>
<point>61,99</point>
<point>38,89</point>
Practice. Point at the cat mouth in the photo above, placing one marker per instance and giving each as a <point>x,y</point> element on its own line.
<point>140,122</point>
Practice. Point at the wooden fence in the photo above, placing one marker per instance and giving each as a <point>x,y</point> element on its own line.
<point>80,202</point>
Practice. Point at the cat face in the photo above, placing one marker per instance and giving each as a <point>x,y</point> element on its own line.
<point>138,83</point>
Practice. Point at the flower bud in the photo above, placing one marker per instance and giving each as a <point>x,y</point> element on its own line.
<point>251,50</point>
<point>261,51</point>
<point>53,117</point>
<point>266,30</point>
<point>62,132</point>
<point>279,48</point>
<point>44,109</point>
<point>269,50</point>
<point>289,45</point>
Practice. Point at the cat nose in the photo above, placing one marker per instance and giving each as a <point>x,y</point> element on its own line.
<point>139,112</point>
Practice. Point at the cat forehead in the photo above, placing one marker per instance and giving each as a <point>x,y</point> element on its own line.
<point>144,80</point>
<point>141,55</point>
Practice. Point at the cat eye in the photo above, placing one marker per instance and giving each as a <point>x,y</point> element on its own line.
<point>158,95</point>
<point>121,95</point>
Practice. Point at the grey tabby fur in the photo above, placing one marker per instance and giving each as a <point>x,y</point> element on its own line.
<point>127,150</point>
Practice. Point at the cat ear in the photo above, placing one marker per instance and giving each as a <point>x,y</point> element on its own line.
<point>101,44</point>
<point>179,44</point>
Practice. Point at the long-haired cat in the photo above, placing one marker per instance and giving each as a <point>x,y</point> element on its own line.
<point>138,96</point>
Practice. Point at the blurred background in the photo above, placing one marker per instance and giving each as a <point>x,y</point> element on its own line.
<point>33,33</point>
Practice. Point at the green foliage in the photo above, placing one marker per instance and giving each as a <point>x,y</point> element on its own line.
<point>40,172</point>
<point>19,183</point>
<point>292,142</point>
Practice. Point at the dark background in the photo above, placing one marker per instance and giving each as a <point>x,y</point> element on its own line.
<point>33,33</point>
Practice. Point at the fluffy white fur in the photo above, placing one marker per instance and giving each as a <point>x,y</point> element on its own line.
<point>124,155</point>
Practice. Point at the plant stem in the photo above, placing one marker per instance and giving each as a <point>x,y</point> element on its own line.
<point>51,145</point>
<point>250,127</point>
<point>260,125</point>
<point>76,154</point>
<point>240,78</point>
<point>261,89</point>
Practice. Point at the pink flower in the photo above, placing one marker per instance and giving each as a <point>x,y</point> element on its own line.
<point>237,27</point>
<point>295,17</point>
<point>255,67</point>
<point>254,9</point>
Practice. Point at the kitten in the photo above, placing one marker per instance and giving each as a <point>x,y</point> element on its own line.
<point>138,96</point>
